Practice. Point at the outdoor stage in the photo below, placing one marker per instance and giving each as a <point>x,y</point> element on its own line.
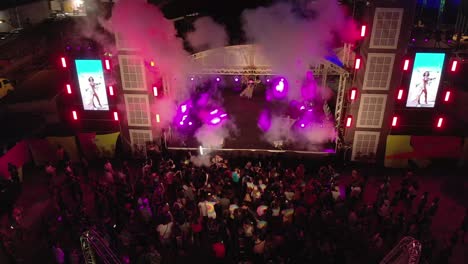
<point>247,136</point>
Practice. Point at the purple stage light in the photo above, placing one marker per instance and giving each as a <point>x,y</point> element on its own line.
<point>264,121</point>
<point>280,86</point>
<point>426,40</point>
<point>214,112</point>
<point>302,125</point>
<point>413,40</point>
<point>181,123</point>
<point>218,79</point>
<point>302,108</point>
<point>223,115</point>
<point>192,79</point>
<point>236,79</point>
<point>190,123</point>
<point>215,121</point>
<point>183,108</point>
<point>268,80</point>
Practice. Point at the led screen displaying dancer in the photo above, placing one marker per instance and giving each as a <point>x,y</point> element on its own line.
<point>92,84</point>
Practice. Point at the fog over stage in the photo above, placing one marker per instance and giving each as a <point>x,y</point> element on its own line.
<point>244,113</point>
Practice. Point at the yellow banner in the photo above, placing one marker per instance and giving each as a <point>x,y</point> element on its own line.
<point>397,145</point>
<point>106,144</point>
<point>68,144</point>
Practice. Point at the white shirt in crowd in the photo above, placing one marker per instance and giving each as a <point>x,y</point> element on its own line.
<point>165,231</point>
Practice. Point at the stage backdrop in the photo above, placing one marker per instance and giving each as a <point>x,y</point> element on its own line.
<point>420,149</point>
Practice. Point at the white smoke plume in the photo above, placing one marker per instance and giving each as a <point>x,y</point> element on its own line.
<point>201,160</point>
<point>144,27</point>
<point>294,37</point>
<point>207,35</point>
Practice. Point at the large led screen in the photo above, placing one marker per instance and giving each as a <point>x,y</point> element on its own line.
<point>425,79</point>
<point>92,84</point>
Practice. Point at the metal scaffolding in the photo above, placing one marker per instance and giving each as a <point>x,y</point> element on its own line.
<point>250,60</point>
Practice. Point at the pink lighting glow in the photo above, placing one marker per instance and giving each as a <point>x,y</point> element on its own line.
<point>302,108</point>
<point>111,90</point>
<point>353,94</point>
<point>158,119</point>
<point>181,123</point>
<point>116,116</point>
<point>75,115</point>
<point>183,108</point>
<point>192,79</point>
<point>302,125</point>
<point>218,79</point>
<point>214,112</point>
<point>236,79</point>
<point>223,115</point>
<point>69,90</point>
<point>190,123</point>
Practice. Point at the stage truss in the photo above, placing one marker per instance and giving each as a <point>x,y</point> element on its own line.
<point>249,60</point>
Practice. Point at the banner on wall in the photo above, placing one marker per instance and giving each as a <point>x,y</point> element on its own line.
<point>106,144</point>
<point>42,151</point>
<point>88,145</point>
<point>68,144</point>
<point>402,148</point>
<point>18,156</point>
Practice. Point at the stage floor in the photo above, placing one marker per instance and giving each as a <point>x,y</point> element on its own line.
<point>244,113</point>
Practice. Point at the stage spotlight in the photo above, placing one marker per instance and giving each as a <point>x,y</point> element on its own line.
<point>116,116</point>
<point>218,79</point>
<point>152,64</point>
<point>183,108</point>
<point>236,79</point>
<point>223,115</point>
<point>215,121</point>
<point>192,79</point>
<point>302,125</point>
<point>158,119</point>
<point>214,112</point>
<point>268,80</point>
<point>190,123</point>
<point>280,86</point>
<point>69,90</point>
<point>75,115</point>
<point>111,90</point>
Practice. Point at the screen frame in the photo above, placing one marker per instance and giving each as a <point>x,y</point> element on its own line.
<point>441,81</point>
<point>81,90</point>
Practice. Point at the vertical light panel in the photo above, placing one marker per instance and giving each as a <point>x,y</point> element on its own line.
<point>107,64</point>
<point>400,94</point>
<point>440,122</point>
<point>454,66</point>
<point>357,64</point>
<point>64,62</point>
<point>406,65</point>
<point>75,115</point>
<point>155,91</point>
<point>363,31</point>
<point>111,90</point>
<point>447,96</point>
<point>158,119</point>
<point>349,121</point>
<point>394,121</point>
<point>69,90</point>
<point>116,116</point>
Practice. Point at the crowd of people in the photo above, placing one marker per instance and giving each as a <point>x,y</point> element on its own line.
<point>237,210</point>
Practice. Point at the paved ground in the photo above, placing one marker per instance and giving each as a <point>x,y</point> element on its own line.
<point>450,186</point>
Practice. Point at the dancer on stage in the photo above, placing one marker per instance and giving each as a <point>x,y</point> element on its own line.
<point>94,87</point>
